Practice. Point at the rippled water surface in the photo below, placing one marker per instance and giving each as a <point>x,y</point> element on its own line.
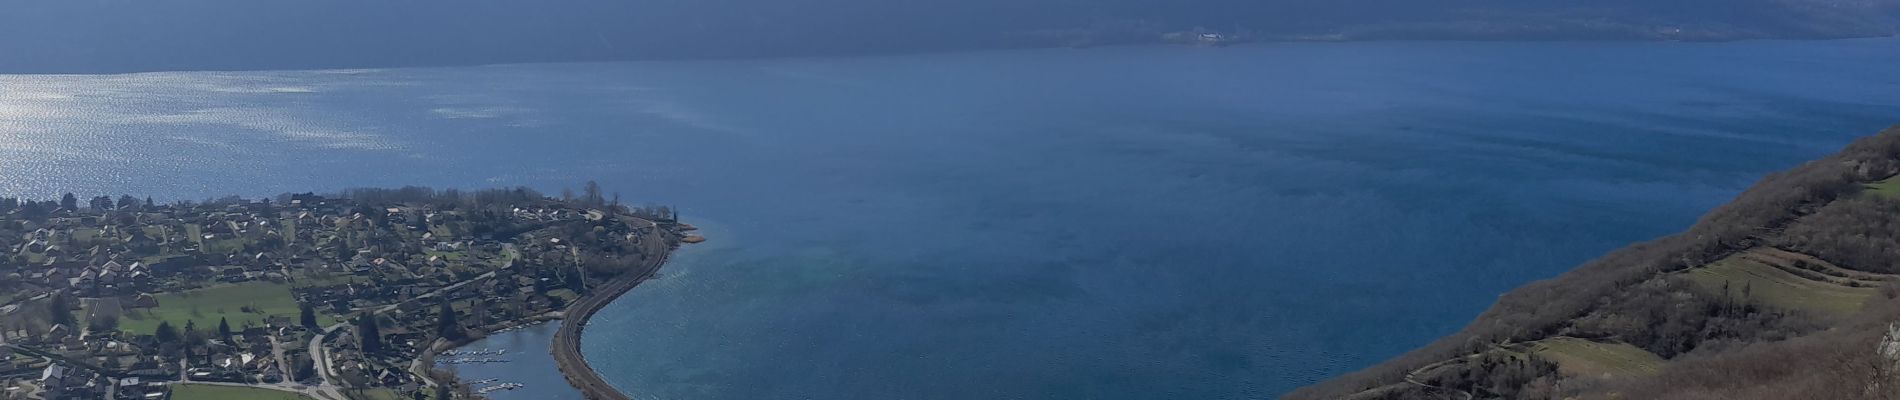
<point>1105,223</point>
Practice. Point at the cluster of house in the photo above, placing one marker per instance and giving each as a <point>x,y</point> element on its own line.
<point>31,376</point>
<point>119,367</point>
<point>341,258</point>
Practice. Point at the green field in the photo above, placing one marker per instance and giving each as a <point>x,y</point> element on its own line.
<point>196,234</point>
<point>206,306</point>
<point>225,246</point>
<point>1777,288</point>
<point>452,256</point>
<point>85,235</point>
<point>290,230</point>
<point>375,394</point>
<point>1889,187</point>
<point>34,258</point>
<point>1587,358</point>
<point>304,280</point>
<point>441,232</point>
<point>211,392</point>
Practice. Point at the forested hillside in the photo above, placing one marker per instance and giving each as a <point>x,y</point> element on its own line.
<point>83,36</point>
<point>1789,291</point>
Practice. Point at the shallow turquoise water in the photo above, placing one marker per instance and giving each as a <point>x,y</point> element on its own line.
<point>1144,222</point>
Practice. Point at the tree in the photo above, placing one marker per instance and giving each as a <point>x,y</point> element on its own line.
<point>69,202</point>
<point>342,243</point>
<point>224,329</point>
<point>576,280</point>
<point>166,333</point>
<point>60,310</point>
<point>307,315</point>
<point>305,368</point>
<point>33,210</point>
<point>369,336</point>
<point>127,201</point>
<point>591,194</point>
<point>102,322</point>
<point>447,327</point>
<point>193,339</point>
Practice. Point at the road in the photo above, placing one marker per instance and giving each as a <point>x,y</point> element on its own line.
<point>321,356</point>
<point>1412,376</point>
<point>283,363</point>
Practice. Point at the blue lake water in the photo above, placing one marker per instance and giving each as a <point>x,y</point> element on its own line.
<point>528,363</point>
<point>1140,222</point>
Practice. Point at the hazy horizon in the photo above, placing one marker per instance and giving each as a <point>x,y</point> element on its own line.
<point>99,36</point>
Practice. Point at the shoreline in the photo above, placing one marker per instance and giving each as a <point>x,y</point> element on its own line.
<point>566,347</point>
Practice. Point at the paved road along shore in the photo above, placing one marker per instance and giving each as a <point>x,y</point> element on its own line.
<point>567,341</point>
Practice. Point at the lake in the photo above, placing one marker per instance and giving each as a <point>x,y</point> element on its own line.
<point>1109,223</point>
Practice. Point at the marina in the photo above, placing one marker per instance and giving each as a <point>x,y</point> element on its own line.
<point>524,369</point>
<point>476,352</point>
<point>519,327</point>
<point>470,360</point>
<point>500,387</point>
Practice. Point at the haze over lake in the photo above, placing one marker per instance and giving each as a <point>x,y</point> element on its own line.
<point>1137,222</point>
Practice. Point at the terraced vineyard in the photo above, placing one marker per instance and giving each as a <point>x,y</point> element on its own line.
<point>1889,187</point>
<point>1772,278</point>
<point>1596,359</point>
<point>1789,291</point>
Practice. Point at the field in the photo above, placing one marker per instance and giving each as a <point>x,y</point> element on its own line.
<point>225,246</point>
<point>1587,358</point>
<point>1775,287</point>
<point>196,234</point>
<point>441,232</point>
<point>290,230</point>
<point>85,235</point>
<point>206,306</point>
<point>1889,187</point>
<point>211,392</point>
<point>452,256</point>
<point>308,279</point>
<point>376,394</point>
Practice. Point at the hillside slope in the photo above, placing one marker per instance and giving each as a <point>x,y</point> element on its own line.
<point>89,36</point>
<point>1786,292</point>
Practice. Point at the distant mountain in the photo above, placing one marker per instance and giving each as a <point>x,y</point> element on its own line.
<point>117,35</point>
<point>1791,291</point>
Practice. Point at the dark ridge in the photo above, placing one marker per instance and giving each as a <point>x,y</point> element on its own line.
<point>1540,309</point>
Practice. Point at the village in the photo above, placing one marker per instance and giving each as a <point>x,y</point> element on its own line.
<point>336,297</point>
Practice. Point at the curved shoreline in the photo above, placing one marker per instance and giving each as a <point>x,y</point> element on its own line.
<point>567,341</point>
